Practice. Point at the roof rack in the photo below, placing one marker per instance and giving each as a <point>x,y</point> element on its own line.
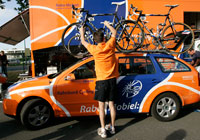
<point>152,51</point>
<point>149,51</point>
<point>155,51</point>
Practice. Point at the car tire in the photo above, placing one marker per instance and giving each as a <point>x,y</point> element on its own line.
<point>166,107</point>
<point>36,114</point>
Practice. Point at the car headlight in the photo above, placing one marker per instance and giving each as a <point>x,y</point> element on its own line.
<point>6,95</point>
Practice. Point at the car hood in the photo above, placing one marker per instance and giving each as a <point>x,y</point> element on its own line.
<point>33,82</point>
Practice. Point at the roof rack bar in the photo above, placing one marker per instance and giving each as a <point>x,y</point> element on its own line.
<point>150,51</point>
<point>155,51</point>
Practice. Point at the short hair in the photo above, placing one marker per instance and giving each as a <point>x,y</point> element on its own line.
<point>191,49</point>
<point>98,36</point>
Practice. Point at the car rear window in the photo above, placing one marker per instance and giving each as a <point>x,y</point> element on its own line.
<point>172,65</point>
<point>135,65</point>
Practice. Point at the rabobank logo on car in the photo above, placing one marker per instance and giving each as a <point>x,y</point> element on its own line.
<point>126,93</point>
<point>129,94</point>
<point>132,88</point>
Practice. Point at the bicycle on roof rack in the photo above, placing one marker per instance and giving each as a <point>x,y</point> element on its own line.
<point>125,30</point>
<point>174,37</point>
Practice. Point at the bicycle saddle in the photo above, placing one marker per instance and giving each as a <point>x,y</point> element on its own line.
<point>172,6</point>
<point>119,3</point>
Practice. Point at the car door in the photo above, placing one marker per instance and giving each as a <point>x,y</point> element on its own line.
<point>75,91</point>
<point>137,76</point>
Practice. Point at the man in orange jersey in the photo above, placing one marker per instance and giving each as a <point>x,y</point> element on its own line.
<point>106,68</point>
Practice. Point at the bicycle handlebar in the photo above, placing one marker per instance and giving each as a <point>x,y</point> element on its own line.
<point>171,6</point>
<point>76,9</point>
<point>133,6</point>
<point>134,10</point>
<point>81,10</point>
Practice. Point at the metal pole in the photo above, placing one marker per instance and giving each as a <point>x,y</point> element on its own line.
<point>24,56</point>
<point>23,21</point>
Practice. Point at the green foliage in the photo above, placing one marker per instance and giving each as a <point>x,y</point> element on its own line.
<point>22,5</point>
<point>2,2</point>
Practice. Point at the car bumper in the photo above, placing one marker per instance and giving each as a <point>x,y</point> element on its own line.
<point>191,99</point>
<point>10,107</point>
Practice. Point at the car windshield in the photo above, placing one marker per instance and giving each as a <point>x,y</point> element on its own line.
<point>51,76</point>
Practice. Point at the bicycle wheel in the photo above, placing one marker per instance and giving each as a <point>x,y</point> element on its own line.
<point>75,47</point>
<point>130,36</point>
<point>71,39</point>
<point>178,38</point>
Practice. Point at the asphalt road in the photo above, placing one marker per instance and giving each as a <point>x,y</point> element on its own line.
<point>134,127</point>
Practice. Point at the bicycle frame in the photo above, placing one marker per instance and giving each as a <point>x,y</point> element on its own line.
<point>88,18</point>
<point>159,30</point>
<point>163,24</point>
<point>115,20</point>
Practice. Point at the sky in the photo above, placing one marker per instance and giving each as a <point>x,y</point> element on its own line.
<point>5,15</point>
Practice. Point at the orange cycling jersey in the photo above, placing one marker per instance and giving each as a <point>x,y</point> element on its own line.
<point>106,65</point>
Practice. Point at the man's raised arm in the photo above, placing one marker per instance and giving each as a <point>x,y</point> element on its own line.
<point>113,31</point>
<point>85,44</point>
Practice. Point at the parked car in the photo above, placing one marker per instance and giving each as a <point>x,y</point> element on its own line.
<point>13,61</point>
<point>158,84</point>
<point>3,78</point>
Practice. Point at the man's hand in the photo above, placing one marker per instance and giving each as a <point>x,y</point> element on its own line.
<point>106,23</point>
<point>197,63</point>
<point>113,31</point>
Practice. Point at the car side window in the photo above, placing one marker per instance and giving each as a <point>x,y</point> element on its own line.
<point>172,65</point>
<point>124,66</point>
<point>135,65</point>
<point>85,71</point>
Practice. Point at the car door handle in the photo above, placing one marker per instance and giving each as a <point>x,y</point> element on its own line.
<point>155,81</point>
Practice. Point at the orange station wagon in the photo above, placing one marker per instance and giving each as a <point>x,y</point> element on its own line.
<point>153,83</point>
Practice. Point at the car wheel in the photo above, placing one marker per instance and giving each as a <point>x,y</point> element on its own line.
<point>166,107</point>
<point>36,114</point>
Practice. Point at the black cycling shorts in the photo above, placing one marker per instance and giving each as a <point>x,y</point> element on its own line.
<point>106,90</point>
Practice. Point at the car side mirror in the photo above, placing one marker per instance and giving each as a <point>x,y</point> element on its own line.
<point>70,77</point>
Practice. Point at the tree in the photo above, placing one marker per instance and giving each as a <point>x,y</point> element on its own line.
<point>2,4</point>
<point>22,5</point>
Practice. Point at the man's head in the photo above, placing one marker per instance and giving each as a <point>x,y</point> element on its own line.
<point>193,26</point>
<point>98,36</point>
<point>191,51</point>
<point>2,52</point>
